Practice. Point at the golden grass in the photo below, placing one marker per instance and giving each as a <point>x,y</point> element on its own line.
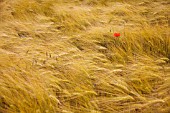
<point>61,56</point>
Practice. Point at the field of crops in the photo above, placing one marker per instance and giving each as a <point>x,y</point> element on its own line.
<point>84,56</point>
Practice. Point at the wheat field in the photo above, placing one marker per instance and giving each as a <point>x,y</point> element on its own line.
<point>60,56</point>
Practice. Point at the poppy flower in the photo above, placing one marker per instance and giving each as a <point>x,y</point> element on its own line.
<point>116,34</point>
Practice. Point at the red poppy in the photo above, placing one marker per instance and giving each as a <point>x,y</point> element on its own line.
<point>116,34</point>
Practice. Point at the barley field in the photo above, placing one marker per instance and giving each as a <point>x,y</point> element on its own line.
<point>62,56</point>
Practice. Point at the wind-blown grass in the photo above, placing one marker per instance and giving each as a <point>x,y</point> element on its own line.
<point>61,56</point>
